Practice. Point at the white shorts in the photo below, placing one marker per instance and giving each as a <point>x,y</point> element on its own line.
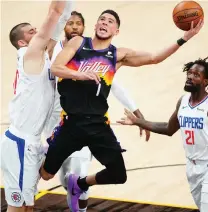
<point>76,165</point>
<point>21,157</point>
<point>197,175</point>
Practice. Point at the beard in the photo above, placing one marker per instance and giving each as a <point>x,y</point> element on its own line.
<point>68,36</point>
<point>192,88</point>
<point>101,38</point>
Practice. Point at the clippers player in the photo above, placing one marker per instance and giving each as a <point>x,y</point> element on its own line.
<point>86,68</point>
<point>78,163</point>
<point>191,117</point>
<point>29,109</point>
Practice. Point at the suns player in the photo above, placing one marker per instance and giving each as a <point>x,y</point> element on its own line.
<point>86,67</point>
<point>191,117</point>
<point>78,163</point>
<point>29,109</point>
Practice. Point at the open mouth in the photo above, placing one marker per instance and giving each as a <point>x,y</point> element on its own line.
<point>189,83</point>
<point>74,34</point>
<point>102,29</point>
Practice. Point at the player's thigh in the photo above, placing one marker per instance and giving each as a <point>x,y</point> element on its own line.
<point>63,144</point>
<point>104,145</point>
<point>11,172</point>
<point>20,172</point>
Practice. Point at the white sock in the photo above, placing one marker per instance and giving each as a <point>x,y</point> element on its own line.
<point>83,210</point>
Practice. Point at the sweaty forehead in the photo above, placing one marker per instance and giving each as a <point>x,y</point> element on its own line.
<point>197,67</point>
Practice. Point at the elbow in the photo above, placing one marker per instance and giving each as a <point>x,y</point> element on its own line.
<point>169,133</point>
<point>57,11</point>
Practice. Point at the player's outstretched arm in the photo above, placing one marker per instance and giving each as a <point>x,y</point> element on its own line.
<point>39,42</point>
<point>129,57</point>
<point>165,128</point>
<point>60,27</point>
<point>60,69</point>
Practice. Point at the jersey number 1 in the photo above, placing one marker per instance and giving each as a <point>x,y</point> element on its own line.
<point>190,137</point>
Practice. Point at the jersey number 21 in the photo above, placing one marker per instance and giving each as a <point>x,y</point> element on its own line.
<point>190,137</point>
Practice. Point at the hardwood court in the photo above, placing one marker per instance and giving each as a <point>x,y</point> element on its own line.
<point>156,170</point>
<point>57,202</point>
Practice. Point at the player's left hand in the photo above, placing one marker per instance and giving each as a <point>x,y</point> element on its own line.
<point>194,30</point>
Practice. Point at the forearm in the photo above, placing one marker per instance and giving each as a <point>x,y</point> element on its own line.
<point>64,72</point>
<point>167,52</point>
<point>156,127</point>
<point>122,96</point>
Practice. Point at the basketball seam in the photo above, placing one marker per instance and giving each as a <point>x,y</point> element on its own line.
<point>188,9</point>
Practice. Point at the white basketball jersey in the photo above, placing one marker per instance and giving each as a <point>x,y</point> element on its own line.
<point>57,49</point>
<point>193,122</point>
<point>55,118</point>
<point>33,99</point>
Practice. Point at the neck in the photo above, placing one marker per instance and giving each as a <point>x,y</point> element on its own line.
<point>198,97</point>
<point>100,44</point>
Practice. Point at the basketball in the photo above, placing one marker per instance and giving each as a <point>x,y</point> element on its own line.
<point>185,12</point>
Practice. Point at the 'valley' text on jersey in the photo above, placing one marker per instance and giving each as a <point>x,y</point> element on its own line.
<point>86,97</point>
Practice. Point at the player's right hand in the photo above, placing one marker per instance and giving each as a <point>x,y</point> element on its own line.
<point>89,75</point>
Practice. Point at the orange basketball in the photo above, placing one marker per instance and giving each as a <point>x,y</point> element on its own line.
<point>185,12</point>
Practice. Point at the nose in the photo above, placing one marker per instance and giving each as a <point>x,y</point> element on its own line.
<point>104,22</point>
<point>74,27</point>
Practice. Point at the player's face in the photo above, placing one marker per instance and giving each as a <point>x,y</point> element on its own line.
<point>28,33</point>
<point>106,27</point>
<point>195,79</point>
<point>74,27</point>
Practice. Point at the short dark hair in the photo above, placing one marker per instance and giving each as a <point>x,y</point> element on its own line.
<point>79,15</point>
<point>16,34</point>
<point>113,13</point>
<point>201,62</point>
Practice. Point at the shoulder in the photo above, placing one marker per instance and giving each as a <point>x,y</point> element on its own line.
<point>183,98</point>
<point>75,42</point>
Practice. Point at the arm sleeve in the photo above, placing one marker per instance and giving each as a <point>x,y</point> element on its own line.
<point>121,94</point>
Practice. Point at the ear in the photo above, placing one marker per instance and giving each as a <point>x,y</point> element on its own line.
<point>117,32</point>
<point>21,43</point>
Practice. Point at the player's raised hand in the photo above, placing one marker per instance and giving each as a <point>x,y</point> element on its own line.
<point>194,30</point>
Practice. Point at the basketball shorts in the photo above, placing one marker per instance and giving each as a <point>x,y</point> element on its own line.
<point>74,133</point>
<point>197,175</point>
<point>21,158</point>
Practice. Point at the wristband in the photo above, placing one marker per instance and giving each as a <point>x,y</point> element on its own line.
<point>181,41</point>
